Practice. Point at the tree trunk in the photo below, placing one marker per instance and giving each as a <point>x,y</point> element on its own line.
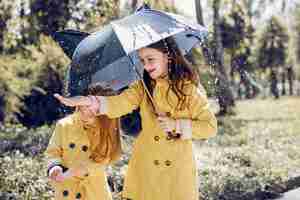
<point>199,12</point>
<point>134,4</point>
<point>224,91</point>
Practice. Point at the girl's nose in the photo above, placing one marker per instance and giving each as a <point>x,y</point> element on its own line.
<point>148,67</point>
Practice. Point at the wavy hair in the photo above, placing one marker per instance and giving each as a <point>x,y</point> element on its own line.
<point>104,137</point>
<point>179,71</point>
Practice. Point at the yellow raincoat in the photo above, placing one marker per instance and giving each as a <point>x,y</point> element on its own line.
<point>69,146</point>
<point>162,169</point>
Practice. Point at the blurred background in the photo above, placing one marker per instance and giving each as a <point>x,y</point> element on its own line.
<point>250,68</point>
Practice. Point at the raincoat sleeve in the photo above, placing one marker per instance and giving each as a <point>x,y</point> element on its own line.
<point>124,103</point>
<point>54,151</point>
<point>202,123</point>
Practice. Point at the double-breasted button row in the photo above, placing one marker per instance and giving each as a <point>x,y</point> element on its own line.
<point>168,137</point>
<point>66,193</point>
<point>78,196</point>
<point>72,145</point>
<point>83,148</point>
<point>167,162</point>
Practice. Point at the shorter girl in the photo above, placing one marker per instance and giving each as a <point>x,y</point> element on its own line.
<point>78,151</point>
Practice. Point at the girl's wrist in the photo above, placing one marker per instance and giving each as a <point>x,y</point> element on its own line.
<point>53,168</point>
<point>185,128</point>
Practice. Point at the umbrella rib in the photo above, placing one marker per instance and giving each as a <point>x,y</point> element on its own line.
<point>149,34</point>
<point>134,37</point>
<point>169,17</point>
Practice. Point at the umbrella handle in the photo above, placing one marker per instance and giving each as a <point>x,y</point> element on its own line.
<point>172,136</point>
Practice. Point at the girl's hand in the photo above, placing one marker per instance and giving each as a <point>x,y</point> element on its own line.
<point>67,175</point>
<point>60,178</point>
<point>74,101</point>
<point>55,172</point>
<point>78,171</point>
<point>168,124</point>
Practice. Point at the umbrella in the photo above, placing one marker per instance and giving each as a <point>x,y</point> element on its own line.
<point>68,40</point>
<point>109,57</point>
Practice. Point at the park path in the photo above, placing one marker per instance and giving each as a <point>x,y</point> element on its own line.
<point>291,195</point>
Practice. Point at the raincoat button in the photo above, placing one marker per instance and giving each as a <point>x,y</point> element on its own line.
<point>78,196</point>
<point>72,145</point>
<point>156,138</point>
<point>65,193</point>
<point>168,162</point>
<point>156,162</point>
<point>84,148</point>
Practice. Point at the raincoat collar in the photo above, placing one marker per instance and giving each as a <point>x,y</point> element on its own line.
<point>162,80</point>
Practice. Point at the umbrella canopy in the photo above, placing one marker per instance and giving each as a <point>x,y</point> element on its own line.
<point>68,40</point>
<point>109,57</point>
<point>147,26</point>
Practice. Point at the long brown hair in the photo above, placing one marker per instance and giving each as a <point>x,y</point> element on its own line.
<point>179,71</point>
<point>104,137</point>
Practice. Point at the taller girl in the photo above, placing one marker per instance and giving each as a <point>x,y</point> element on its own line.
<point>161,167</point>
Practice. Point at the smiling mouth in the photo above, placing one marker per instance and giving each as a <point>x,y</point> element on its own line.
<point>151,71</point>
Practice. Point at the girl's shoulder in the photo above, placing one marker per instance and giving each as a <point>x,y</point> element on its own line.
<point>68,120</point>
<point>137,85</point>
<point>195,90</point>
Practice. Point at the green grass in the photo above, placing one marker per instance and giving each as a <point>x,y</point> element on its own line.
<point>255,152</point>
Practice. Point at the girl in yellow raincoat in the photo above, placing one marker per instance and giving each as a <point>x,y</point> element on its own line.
<point>79,149</point>
<point>174,111</point>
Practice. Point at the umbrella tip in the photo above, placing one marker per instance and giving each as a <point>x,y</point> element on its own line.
<point>145,6</point>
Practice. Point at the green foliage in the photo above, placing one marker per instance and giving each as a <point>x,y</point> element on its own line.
<point>5,15</point>
<point>274,45</point>
<point>47,54</point>
<point>16,75</point>
<point>237,31</point>
<point>49,15</point>
<point>207,80</point>
<point>39,107</point>
<point>23,177</point>
<point>297,29</point>
<point>240,173</point>
<point>32,68</point>
<point>233,28</point>
<point>29,142</point>
<point>92,15</point>
<point>160,5</point>
<point>251,158</point>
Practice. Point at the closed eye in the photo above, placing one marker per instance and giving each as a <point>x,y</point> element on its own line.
<point>151,59</point>
<point>147,60</point>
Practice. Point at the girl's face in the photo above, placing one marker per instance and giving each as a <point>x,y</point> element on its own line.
<point>155,62</point>
<point>86,116</point>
